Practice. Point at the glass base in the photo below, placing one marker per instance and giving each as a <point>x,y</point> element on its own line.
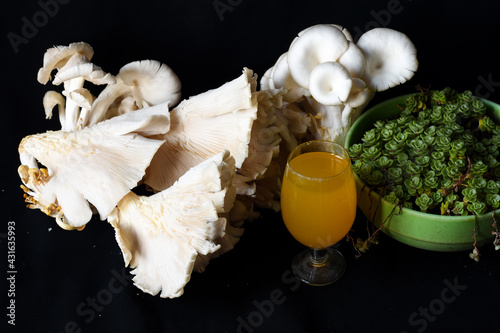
<point>319,267</point>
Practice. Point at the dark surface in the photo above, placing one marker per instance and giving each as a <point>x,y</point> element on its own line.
<point>76,281</point>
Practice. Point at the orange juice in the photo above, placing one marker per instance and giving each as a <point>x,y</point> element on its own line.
<point>318,199</point>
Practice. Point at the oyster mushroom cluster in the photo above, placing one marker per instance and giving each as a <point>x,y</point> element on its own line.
<point>333,78</point>
<point>207,161</point>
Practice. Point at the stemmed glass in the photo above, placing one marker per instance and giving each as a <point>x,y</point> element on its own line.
<point>318,205</point>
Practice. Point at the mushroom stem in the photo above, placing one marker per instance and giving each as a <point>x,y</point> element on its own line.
<point>72,110</point>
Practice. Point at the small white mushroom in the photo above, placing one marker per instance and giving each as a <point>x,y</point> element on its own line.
<point>330,83</point>
<point>148,82</point>
<point>81,96</point>
<point>57,56</point>
<point>391,58</point>
<point>317,44</point>
<point>74,67</point>
<point>52,99</point>
<point>152,82</point>
<point>84,99</point>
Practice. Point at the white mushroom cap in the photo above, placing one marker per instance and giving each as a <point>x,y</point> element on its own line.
<point>266,81</point>
<point>330,83</point>
<point>162,235</point>
<point>84,99</point>
<point>391,58</point>
<point>96,165</point>
<point>344,30</point>
<point>152,82</point>
<point>58,56</point>
<point>359,94</point>
<point>317,44</point>
<point>87,71</point>
<point>353,60</point>
<point>50,100</point>
<point>282,78</point>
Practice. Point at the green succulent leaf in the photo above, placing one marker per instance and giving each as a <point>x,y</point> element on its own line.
<point>376,178</point>
<point>355,150</point>
<point>459,208</point>
<point>493,200</point>
<point>477,208</point>
<point>470,194</point>
<point>424,202</point>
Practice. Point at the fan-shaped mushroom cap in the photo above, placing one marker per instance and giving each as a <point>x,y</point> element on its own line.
<point>264,138</point>
<point>96,165</point>
<point>314,46</point>
<point>330,83</point>
<point>391,58</point>
<point>161,235</point>
<point>204,125</point>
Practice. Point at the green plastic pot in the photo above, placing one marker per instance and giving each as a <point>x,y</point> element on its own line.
<point>422,230</point>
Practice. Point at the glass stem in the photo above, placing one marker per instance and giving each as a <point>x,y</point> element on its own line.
<point>318,257</point>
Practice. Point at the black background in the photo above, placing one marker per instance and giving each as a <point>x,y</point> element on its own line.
<point>249,289</point>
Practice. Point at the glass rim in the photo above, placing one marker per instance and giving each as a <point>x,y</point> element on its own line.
<point>347,157</point>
